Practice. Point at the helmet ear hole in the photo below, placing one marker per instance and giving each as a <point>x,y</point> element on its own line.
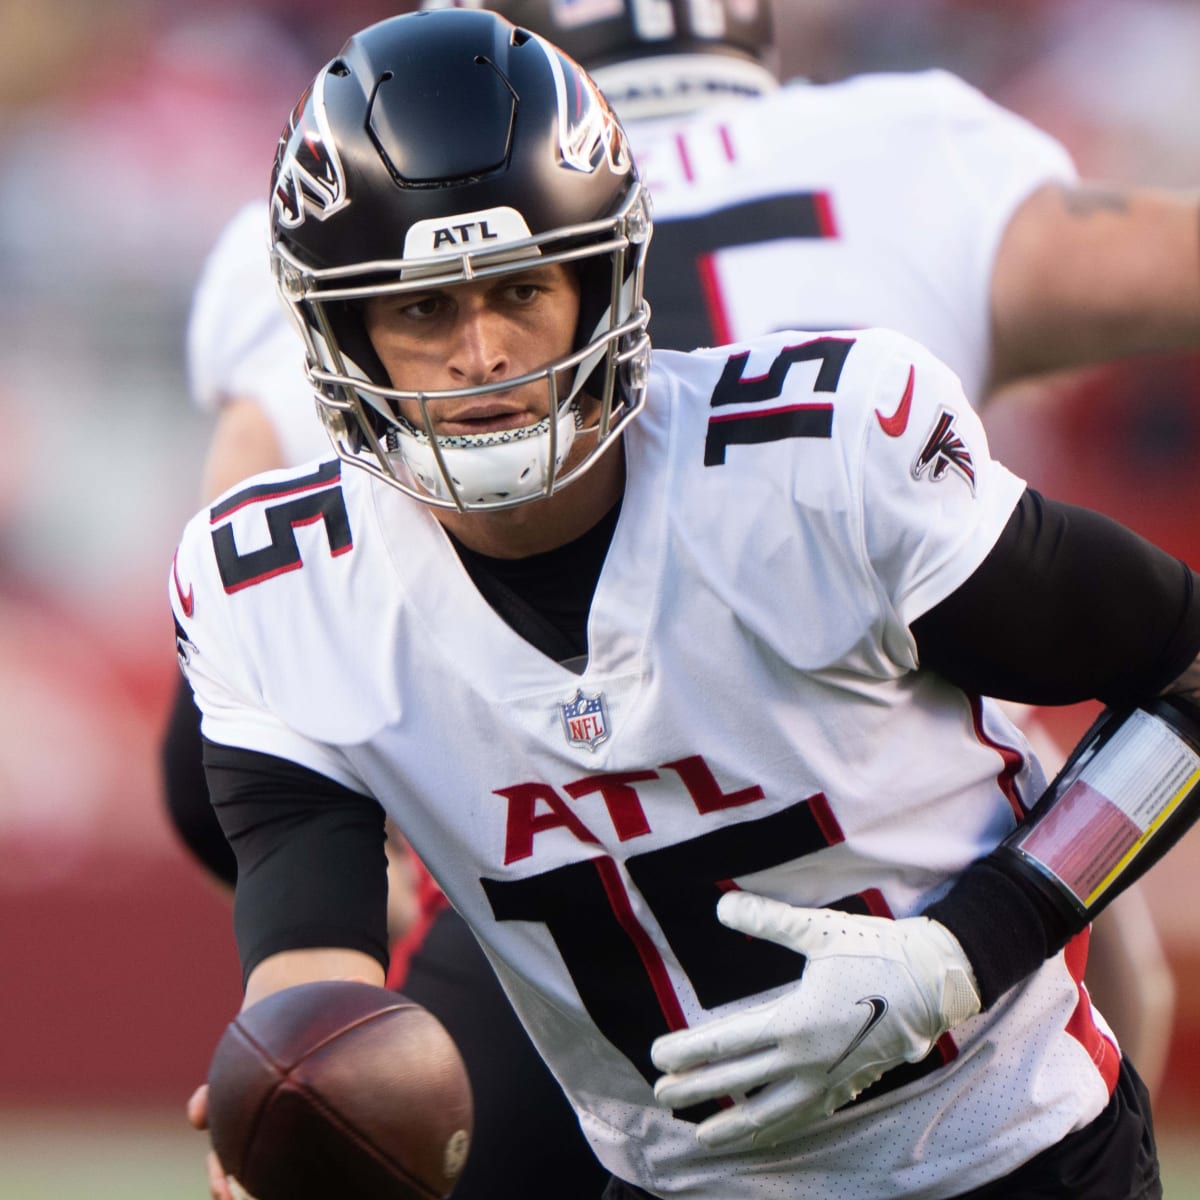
<point>347,320</point>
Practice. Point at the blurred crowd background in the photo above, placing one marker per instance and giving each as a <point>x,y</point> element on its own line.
<point>130,130</point>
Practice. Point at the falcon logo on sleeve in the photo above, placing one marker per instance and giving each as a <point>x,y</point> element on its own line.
<point>945,451</point>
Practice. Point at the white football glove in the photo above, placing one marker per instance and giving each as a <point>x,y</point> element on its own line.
<point>874,993</point>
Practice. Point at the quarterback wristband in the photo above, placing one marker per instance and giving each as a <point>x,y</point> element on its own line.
<point>1128,793</point>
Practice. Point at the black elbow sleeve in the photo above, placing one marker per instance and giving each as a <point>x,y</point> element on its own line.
<point>1068,606</point>
<point>311,857</point>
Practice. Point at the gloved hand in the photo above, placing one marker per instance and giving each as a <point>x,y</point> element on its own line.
<point>874,993</point>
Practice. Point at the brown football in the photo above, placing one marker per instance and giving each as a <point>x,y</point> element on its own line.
<point>339,1089</point>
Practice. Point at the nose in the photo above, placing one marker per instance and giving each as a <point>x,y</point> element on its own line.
<point>480,353</point>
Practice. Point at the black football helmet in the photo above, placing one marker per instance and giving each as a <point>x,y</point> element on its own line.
<point>654,57</point>
<point>441,147</point>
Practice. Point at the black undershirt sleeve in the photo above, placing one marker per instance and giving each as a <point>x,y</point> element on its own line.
<point>311,859</point>
<point>1068,606</point>
<point>185,789</point>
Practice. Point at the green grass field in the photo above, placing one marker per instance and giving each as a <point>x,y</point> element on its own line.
<point>155,1156</point>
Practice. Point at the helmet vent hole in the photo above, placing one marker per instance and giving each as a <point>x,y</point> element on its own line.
<point>339,68</point>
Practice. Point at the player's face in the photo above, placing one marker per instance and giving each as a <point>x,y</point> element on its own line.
<point>474,334</point>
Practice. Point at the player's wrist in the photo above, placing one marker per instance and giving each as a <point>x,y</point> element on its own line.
<point>1005,923</point>
<point>949,971</point>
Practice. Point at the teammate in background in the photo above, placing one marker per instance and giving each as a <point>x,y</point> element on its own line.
<point>983,246</point>
<point>545,549</point>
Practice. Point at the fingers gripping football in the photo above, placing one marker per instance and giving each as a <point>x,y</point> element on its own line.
<point>874,993</point>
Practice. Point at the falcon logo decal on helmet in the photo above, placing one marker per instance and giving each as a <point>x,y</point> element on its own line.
<point>588,131</point>
<point>309,177</point>
<point>945,451</point>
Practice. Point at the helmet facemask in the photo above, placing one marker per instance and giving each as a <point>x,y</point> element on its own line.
<point>593,391</point>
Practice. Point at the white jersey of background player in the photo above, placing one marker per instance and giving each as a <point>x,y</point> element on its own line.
<point>908,201</point>
<point>885,200</point>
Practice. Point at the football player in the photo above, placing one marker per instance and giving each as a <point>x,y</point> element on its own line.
<point>984,246</point>
<point>612,637</point>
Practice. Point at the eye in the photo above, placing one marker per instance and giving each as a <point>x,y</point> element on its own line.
<point>422,308</point>
<point>522,291</point>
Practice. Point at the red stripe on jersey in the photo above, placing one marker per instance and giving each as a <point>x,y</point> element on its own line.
<point>727,143</point>
<point>326,474</point>
<point>685,161</point>
<point>656,969</point>
<point>770,412</point>
<point>245,583</point>
<point>1012,758</point>
<point>714,302</point>
<point>827,823</point>
<point>1104,1054</point>
<point>948,1048</point>
<point>823,209</point>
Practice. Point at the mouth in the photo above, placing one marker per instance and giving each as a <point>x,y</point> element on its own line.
<point>485,418</point>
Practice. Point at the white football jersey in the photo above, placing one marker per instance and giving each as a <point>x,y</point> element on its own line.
<point>879,201</point>
<point>750,716</point>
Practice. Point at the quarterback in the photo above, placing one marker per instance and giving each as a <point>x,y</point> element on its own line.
<point>908,201</point>
<point>648,653</point>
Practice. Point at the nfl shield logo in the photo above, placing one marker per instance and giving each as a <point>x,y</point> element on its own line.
<point>585,719</point>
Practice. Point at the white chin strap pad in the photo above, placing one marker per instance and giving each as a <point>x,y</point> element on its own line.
<point>490,467</point>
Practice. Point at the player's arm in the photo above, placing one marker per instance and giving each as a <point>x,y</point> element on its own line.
<point>1077,606</point>
<point>311,899</point>
<point>1067,605</point>
<point>1085,273</point>
<point>185,789</point>
<point>244,442</point>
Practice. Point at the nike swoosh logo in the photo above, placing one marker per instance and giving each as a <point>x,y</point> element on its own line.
<point>187,601</point>
<point>879,1007</point>
<point>897,423</point>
